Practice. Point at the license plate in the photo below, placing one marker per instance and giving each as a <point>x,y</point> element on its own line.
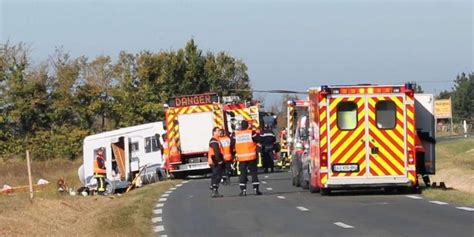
<point>345,168</point>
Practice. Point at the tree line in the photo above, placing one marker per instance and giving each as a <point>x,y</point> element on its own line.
<point>462,97</point>
<point>49,107</point>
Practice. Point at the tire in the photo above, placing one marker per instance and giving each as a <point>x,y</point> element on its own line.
<point>313,189</point>
<point>303,183</point>
<point>109,187</point>
<point>325,191</point>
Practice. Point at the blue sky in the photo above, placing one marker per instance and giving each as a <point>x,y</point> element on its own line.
<point>285,44</point>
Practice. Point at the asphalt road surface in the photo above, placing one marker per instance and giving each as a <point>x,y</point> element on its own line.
<point>284,210</point>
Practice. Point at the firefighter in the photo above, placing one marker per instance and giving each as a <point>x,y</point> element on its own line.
<point>215,160</point>
<point>268,140</point>
<point>227,153</point>
<point>165,152</point>
<point>244,142</point>
<point>99,170</point>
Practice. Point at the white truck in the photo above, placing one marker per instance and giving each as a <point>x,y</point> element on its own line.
<point>127,152</point>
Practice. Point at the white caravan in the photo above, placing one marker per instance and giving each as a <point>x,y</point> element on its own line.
<point>127,151</point>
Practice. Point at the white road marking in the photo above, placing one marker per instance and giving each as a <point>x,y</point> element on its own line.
<point>413,197</point>
<point>159,228</point>
<point>162,199</point>
<point>160,205</point>
<point>343,225</point>
<point>266,176</point>
<point>168,192</point>
<point>163,236</point>
<point>281,197</point>
<point>302,208</point>
<point>179,185</point>
<point>165,195</point>
<point>439,203</point>
<point>173,188</point>
<point>157,211</point>
<point>157,219</point>
<point>264,182</point>
<point>465,208</point>
<point>186,181</point>
<point>270,189</point>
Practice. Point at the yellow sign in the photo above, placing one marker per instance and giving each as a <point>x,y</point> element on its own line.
<point>443,109</point>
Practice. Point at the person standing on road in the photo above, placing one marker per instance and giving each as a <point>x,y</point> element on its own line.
<point>227,153</point>
<point>244,142</point>
<point>268,144</point>
<point>215,160</point>
<point>99,170</point>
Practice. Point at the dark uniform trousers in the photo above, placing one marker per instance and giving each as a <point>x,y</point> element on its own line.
<point>216,175</point>
<point>252,167</point>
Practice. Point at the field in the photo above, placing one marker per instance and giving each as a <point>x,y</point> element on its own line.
<point>54,214</point>
<point>455,167</point>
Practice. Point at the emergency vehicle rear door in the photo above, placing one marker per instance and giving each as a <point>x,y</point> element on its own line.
<point>386,134</point>
<point>347,136</point>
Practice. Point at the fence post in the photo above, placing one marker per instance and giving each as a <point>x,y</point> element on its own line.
<point>29,174</point>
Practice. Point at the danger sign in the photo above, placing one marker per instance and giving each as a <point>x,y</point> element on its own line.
<point>190,100</point>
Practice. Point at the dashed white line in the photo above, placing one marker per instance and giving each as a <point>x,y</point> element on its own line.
<point>163,236</point>
<point>343,225</point>
<point>158,211</point>
<point>160,205</point>
<point>159,228</point>
<point>302,208</point>
<point>281,197</point>
<point>179,185</point>
<point>266,176</point>
<point>157,219</point>
<point>465,208</point>
<point>439,203</point>
<point>165,195</point>
<point>264,182</point>
<point>168,192</point>
<point>186,181</point>
<point>269,189</point>
<point>413,197</point>
<point>162,199</point>
<point>173,188</point>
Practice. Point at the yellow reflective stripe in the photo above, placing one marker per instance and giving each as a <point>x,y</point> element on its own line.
<point>382,137</point>
<point>339,139</point>
<point>376,169</point>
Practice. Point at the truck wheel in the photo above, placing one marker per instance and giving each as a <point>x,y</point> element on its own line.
<point>325,191</point>
<point>304,184</point>
<point>313,189</point>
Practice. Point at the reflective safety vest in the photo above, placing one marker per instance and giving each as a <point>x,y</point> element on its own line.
<point>225,142</point>
<point>210,152</point>
<point>245,147</point>
<point>166,155</point>
<point>99,162</point>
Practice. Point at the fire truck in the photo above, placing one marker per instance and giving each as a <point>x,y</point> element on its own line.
<point>296,109</point>
<point>189,122</point>
<point>366,136</point>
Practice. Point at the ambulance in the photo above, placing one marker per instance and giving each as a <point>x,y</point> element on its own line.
<point>368,136</point>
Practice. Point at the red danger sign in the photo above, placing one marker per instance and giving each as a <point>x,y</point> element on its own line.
<point>190,100</point>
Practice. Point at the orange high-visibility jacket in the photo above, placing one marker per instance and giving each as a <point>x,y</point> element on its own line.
<point>99,165</point>
<point>245,147</point>
<point>227,153</point>
<point>211,153</point>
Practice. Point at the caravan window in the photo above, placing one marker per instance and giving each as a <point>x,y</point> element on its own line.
<point>152,144</point>
<point>134,147</point>
<point>385,114</point>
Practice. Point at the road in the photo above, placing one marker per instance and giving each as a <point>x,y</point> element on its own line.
<point>285,210</point>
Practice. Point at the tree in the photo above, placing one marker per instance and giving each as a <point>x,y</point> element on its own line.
<point>463,97</point>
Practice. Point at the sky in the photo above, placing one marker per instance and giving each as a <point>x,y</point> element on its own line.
<point>291,45</point>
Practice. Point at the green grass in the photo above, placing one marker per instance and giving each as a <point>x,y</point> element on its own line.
<point>455,167</point>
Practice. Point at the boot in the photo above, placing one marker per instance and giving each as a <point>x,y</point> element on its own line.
<point>216,194</point>
<point>426,180</point>
<point>243,193</point>
<point>257,192</point>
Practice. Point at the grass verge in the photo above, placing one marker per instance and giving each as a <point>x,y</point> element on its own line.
<point>54,214</point>
<point>454,167</point>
